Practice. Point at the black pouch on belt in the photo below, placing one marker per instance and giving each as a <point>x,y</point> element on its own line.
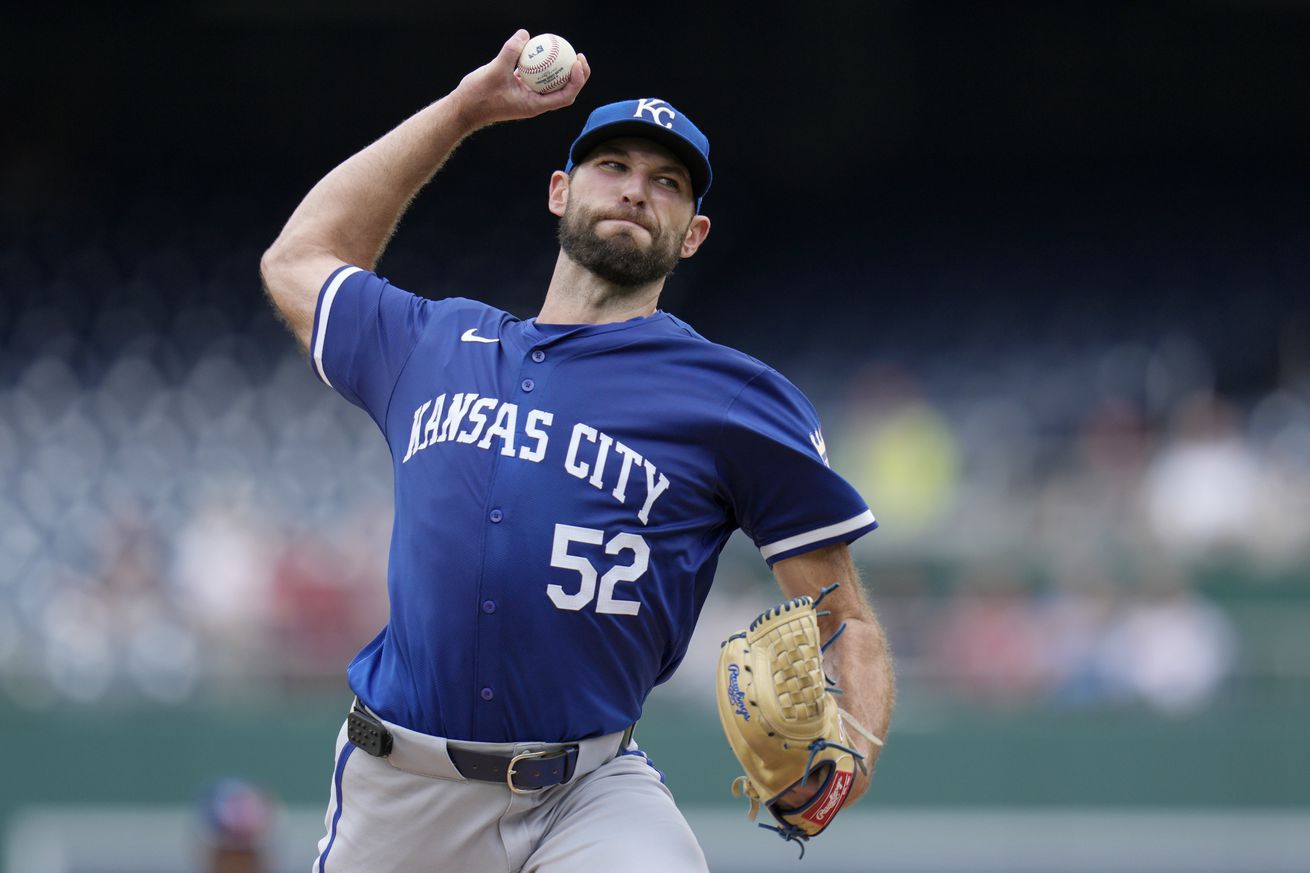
<point>368,733</point>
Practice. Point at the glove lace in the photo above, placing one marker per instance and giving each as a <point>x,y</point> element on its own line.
<point>859,728</point>
<point>789,833</point>
<point>821,743</point>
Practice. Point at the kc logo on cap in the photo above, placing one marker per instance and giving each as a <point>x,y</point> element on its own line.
<point>655,107</point>
<point>653,119</point>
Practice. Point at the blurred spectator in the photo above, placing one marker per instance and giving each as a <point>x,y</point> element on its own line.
<point>160,651</point>
<point>223,571</point>
<point>1280,434</point>
<point>1072,623</point>
<point>987,643</point>
<point>1204,486</point>
<point>1090,509</point>
<point>899,449</point>
<point>316,616</point>
<point>1172,651</point>
<point>236,821</point>
<point>115,627</point>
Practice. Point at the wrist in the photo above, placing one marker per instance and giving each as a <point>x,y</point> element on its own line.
<point>466,111</point>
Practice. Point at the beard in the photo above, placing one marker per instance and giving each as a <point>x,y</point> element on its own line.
<point>618,259</point>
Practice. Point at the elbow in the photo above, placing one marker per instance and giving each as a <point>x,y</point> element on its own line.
<point>268,261</point>
<point>278,270</point>
<point>274,264</point>
<point>269,265</point>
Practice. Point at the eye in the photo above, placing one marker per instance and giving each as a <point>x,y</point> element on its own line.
<point>670,183</point>
<point>611,164</point>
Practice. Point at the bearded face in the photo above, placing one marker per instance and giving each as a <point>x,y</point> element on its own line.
<point>622,258</point>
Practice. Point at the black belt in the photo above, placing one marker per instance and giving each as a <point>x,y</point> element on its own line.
<point>530,771</point>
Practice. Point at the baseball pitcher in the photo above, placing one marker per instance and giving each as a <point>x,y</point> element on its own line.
<point>563,488</point>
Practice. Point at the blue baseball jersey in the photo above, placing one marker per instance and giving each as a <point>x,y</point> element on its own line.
<point>562,494</point>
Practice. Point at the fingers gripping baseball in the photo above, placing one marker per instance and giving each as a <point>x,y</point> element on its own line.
<point>496,92</point>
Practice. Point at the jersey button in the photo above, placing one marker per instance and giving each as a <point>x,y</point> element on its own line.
<point>496,516</point>
<point>488,606</point>
<point>538,355</point>
<point>527,385</point>
<point>487,694</point>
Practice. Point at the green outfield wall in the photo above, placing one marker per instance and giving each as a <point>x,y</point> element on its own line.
<point>1231,755</point>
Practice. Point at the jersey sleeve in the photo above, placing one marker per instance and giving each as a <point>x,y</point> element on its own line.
<point>364,331</point>
<point>774,468</point>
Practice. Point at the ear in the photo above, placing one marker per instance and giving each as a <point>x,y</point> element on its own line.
<point>696,233</point>
<point>559,193</point>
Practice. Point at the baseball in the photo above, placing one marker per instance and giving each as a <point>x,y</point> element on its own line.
<point>545,62</point>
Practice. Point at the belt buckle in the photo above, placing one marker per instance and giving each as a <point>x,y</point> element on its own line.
<point>509,771</point>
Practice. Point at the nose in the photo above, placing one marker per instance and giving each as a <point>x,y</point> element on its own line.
<point>635,189</point>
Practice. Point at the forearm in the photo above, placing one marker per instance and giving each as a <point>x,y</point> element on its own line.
<point>352,212</point>
<point>860,663</point>
<point>348,217</point>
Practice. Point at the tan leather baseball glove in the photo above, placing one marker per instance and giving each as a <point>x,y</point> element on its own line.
<point>782,720</point>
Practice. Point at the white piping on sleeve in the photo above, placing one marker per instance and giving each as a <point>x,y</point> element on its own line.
<point>329,294</point>
<point>864,519</point>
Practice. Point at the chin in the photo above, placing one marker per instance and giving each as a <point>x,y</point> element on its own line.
<point>623,238</point>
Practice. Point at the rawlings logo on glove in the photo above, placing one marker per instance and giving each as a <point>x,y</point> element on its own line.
<point>782,721</point>
<point>736,697</point>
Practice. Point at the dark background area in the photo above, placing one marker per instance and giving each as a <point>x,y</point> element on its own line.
<point>912,171</point>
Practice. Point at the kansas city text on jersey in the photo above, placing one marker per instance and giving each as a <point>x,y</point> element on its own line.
<point>593,456</point>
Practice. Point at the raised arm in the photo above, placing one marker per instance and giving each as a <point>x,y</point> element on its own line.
<point>860,662</point>
<point>348,217</point>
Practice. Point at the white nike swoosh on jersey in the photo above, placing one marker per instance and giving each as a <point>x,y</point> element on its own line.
<point>471,336</point>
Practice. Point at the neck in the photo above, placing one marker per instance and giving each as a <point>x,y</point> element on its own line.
<point>578,296</point>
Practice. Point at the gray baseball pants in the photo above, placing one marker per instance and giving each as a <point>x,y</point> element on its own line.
<point>412,812</point>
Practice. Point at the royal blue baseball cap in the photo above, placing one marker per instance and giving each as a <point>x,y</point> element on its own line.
<point>652,119</point>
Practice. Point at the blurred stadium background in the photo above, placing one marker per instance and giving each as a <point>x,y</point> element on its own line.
<point>1042,267</point>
